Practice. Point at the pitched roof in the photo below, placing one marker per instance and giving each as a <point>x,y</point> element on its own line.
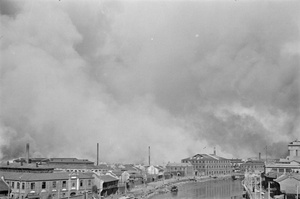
<point>108,178</point>
<point>3,186</point>
<point>74,166</point>
<point>69,161</point>
<point>286,176</point>
<point>205,157</point>
<point>254,162</point>
<point>41,176</point>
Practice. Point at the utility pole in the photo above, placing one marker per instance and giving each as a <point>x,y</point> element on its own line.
<point>149,156</point>
<point>97,154</point>
<point>266,154</point>
<point>260,188</point>
<point>297,191</point>
<point>269,190</point>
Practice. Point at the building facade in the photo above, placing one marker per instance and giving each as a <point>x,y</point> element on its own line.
<point>294,150</point>
<point>180,169</point>
<point>253,166</point>
<point>47,185</point>
<point>106,184</point>
<point>209,165</point>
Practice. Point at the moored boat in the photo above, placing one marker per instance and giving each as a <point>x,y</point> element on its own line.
<point>174,189</point>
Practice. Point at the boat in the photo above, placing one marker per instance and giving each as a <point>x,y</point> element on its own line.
<point>174,189</point>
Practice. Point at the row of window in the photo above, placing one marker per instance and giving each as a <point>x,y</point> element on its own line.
<point>205,161</point>
<point>175,168</point>
<point>81,170</point>
<point>218,172</point>
<point>19,185</point>
<point>212,166</point>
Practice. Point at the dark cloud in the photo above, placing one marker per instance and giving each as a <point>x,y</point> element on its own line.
<point>179,76</point>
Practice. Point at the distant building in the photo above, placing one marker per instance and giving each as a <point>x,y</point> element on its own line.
<point>253,166</point>
<point>106,184</point>
<point>283,166</point>
<point>152,170</point>
<point>236,164</point>
<point>180,169</point>
<point>72,165</point>
<point>45,185</point>
<point>289,165</point>
<point>294,150</point>
<point>209,164</point>
<point>288,183</point>
<point>25,168</point>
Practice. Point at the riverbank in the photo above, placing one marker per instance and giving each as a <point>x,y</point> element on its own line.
<point>163,186</point>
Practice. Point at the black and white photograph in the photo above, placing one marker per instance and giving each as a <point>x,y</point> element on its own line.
<point>149,99</point>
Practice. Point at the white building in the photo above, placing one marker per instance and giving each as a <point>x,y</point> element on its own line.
<point>294,150</point>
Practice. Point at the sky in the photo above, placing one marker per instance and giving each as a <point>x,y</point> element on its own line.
<point>180,76</point>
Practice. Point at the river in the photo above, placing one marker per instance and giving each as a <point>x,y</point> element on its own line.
<point>213,189</point>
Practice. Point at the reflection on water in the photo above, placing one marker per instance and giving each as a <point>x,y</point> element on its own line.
<point>214,189</point>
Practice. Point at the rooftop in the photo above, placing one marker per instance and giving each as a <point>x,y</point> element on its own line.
<point>254,162</point>
<point>69,161</point>
<point>3,186</point>
<point>286,176</point>
<point>179,164</point>
<point>41,176</point>
<point>25,166</point>
<point>205,157</point>
<point>108,178</point>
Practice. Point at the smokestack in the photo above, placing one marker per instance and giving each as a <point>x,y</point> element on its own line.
<point>259,156</point>
<point>27,153</point>
<point>149,156</point>
<point>97,154</point>
<point>215,153</point>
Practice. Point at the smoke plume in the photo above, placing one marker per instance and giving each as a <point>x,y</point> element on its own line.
<point>181,77</point>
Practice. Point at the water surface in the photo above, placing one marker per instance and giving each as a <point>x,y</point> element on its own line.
<point>214,189</point>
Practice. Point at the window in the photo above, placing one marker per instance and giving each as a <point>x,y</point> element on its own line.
<point>18,185</point>
<point>89,183</point>
<point>12,184</point>
<point>54,184</point>
<point>23,185</point>
<point>32,185</point>
<point>81,183</point>
<point>43,185</point>
<point>64,184</point>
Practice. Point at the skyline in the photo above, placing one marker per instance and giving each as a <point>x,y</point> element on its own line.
<point>182,77</point>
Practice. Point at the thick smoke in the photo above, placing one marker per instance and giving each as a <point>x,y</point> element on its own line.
<point>181,77</point>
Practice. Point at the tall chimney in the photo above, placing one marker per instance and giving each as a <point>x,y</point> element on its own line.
<point>149,156</point>
<point>97,154</point>
<point>215,153</point>
<point>27,153</point>
<point>259,156</point>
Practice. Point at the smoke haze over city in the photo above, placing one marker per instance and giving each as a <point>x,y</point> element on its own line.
<point>180,76</point>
